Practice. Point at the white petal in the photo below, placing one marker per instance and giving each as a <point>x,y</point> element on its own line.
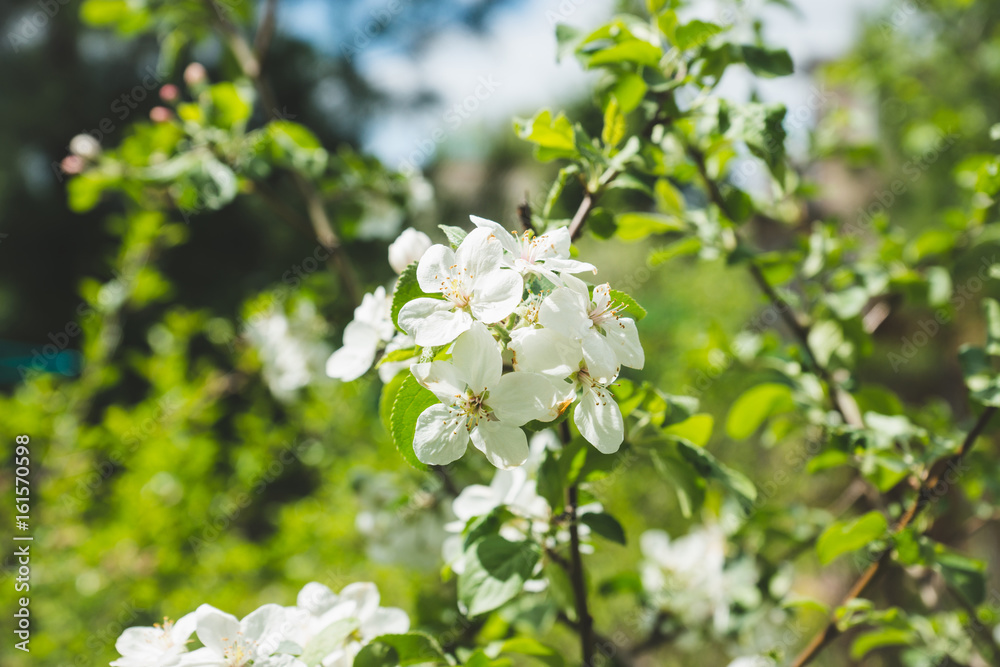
<point>565,311</point>
<point>477,355</point>
<point>601,298</point>
<point>507,240</point>
<point>602,362</point>
<point>435,267</point>
<point>264,623</point>
<point>553,244</point>
<point>569,266</point>
<point>140,640</point>
<point>479,254</point>
<point>475,500</point>
<point>356,357</point>
<point>386,621</point>
<point>316,598</point>
<point>520,397</point>
<point>213,626</point>
<point>364,596</point>
<point>495,295</point>
<point>432,322</point>
<point>183,628</point>
<point>440,437</point>
<point>442,378</point>
<point>623,336</point>
<point>545,351</point>
<point>505,446</point>
<point>202,657</point>
<point>408,247</point>
<point>600,420</point>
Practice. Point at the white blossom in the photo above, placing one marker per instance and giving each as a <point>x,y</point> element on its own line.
<point>288,358</point>
<point>408,247</point>
<point>543,255</point>
<point>162,645</point>
<point>474,284</point>
<point>479,402</point>
<point>255,640</point>
<point>371,326</point>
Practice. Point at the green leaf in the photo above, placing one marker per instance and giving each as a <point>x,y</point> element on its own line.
<point>686,246</point>
<point>411,400</point>
<point>412,648</point>
<point>637,226</point>
<point>627,306</point>
<point>388,398</point>
<point>629,89</point>
<point>688,485</point>
<point>550,482</point>
<point>992,310</point>
<point>528,646</point>
<point>695,34</point>
<point>849,303</point>
<point>231,103</point>
<point>455,234</point>
<point>84,192</point>
<point>629,50</point>
<point>966,576</point>
<point>767,63</point>
<point>601,223</point>
<point>880,638</point>
<point>697,429</point>
<point>495,572</point>
<point>980,378</point>
<point>614,124</point>
<point>845,536</point>
<point>754,406</point>
<point>327,640</point>
<point>711,469</point>
<point>761,127</point>
<point>407,289</point>
<point>554,137</point>
<point>604,525</point>
<point>104,12</point>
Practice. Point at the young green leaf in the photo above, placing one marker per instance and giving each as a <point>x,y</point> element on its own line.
<point>842,537</point>
<point>754,406</point>
<point>410,401</point>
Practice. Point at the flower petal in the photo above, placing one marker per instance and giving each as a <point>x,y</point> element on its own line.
<point>520,397</point>
<point>505,446</point>
<point>436,266</point>
<point>495,295</point>
<point>507,239</point>
<point>602,362</point>
<point>565,311</point>
<point>477,355</point>
<point>479,254</point>
<point>600,420</point>
<point>475,500</point>
<point>623,336</point>
<point>364,596</point>
<point>433,322</point>
<point>569,266</point>
<point>356,356</point>
<point>264,624</point>
<point>545,351</point>
<point>214,626</point>
<point>442,378</point>
<point>441,437</point>
<point>385,621</point>
<point>316,598</point>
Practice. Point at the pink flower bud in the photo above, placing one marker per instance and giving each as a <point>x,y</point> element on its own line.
<point>169,93</point>
<point>160,114</point>
<point>195,74</point>
<point>72,164</point>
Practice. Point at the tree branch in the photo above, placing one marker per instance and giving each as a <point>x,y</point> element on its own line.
<point>932,488</point>
<point>576,574</point>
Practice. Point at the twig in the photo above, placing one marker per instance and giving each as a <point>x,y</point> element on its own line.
<point>580,217</point>
<point>929,491</point>
<point>265,30</point>
<point>576,574</point>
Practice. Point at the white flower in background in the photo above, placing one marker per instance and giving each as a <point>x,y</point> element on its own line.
<point>85,146</point>
<point>354,613</point>
<point>408,247</point>
<point>372,325</point>
<point>388,369</point>
<point>474,284</point>
<point>286,358</point>
<point>479,402</point>
<point>753,661</point>
<point>607,339</point>
<point>229,642</point>
<point>536,255</point>
<point>159,646</point>
<point>690,576</point>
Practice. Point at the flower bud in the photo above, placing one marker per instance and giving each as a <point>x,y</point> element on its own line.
<point>195,74</point>
<point>160,114</point>
<point>85,146</point>
<point>169,93</point>
<point>408,247</point>
<point>72,164</point>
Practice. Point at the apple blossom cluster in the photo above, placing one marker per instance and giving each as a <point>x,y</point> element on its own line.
<point>323,629</point>
<point>504,299</point>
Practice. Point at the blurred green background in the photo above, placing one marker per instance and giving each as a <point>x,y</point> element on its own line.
<point>160,455</point>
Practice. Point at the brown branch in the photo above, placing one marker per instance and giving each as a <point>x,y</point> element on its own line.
<point>580,217</point>
<point>250,65</point>
<point>932,488</point>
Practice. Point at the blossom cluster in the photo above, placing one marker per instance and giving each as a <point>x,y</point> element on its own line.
<point>507,335</point>
<point>324,628</point>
